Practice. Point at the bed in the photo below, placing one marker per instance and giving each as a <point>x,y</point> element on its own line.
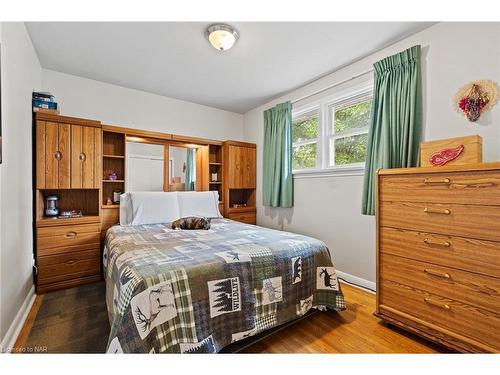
<point>198,291</point>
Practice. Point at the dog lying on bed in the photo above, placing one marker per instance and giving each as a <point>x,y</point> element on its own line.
<point>193,222</point>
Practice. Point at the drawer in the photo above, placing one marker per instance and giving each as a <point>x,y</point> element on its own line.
<point>457,317</point>
<point>244,217</point>
<point>473,255</point>
<point>67,238</point>
<point>470,288</point>
<point>462,188</point>
<point>55,268</point>
<point>480,222</point>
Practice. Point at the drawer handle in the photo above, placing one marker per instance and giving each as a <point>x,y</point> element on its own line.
<point>444,275</point>
<point>71,261</point>
<point>433,211</point>
<point>445,181</point>
<point>58,155</point>
<point>82,156</point>
<point>71,234</point>
<point>428,241</point>
<point>444,306</point>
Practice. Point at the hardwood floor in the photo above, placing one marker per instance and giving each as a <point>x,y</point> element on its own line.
<point>355,330</point>
<point>75,321</point>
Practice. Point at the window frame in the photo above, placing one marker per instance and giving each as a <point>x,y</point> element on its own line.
<point>323,107</point>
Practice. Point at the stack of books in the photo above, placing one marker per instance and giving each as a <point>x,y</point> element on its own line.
<point>44,102</point>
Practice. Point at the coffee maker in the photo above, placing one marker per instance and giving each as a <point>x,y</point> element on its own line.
<point>51,208</point>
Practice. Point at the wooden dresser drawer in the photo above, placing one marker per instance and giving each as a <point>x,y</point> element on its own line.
<point>475,290</point>
<point>467,254</point>
<point>457,317</point>
<point>480,222</point>
<point>55,268</point>
<point>67,238</point>
<point>461,188</point>
<point>243,217</point>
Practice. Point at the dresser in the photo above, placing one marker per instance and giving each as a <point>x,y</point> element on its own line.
<point>438,253</point>
<point>68,165</point>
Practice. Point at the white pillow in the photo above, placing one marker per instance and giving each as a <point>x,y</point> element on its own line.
<point>126,214</point>
<point>154,207</point>
<point>202,203</point>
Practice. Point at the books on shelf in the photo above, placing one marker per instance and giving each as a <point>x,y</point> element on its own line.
<point>44,102</point>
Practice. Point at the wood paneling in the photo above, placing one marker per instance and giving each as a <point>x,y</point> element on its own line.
<point>467,254</point>
<point>64,172</point>
<point>250,164</point>
<point>40,154</point>
<point>51,166</point>
<point>76,163</point>
<point>88,157</point>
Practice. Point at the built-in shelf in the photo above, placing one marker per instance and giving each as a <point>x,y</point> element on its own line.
<point>213,163</point>
<point>215,182</point>
<point>114,156</point>
<point>113,181</point>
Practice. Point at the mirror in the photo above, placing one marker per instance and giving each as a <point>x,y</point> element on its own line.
<point>144,166</point>
<point>182,168</point>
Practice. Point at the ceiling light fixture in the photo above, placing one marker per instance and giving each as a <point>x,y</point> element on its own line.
<point>221,36</point>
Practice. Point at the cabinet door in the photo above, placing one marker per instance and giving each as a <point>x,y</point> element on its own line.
<point>85,157</point>
<point>40,154</point>
<point>249,167</point>
<point>235,160</point>
<point>56,158</point>
<point>65,160</point>
<point>76,163</point>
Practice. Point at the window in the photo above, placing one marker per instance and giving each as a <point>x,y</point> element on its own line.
<point>332,135</point>
<point>305,131</point>
<point>348,131</point>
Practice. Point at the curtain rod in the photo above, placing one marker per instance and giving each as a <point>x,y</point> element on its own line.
<point>332,86</point>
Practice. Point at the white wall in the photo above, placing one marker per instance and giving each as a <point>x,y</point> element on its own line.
<point>115,105</point>
<point>329,207</point>
<point>21,74</point>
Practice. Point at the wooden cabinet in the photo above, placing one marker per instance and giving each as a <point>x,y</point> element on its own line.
<point>68,153</point>
<point>239,181</point>
<point>68,254</point>
<point>68,165</point>
<point>85,157</point>
<point>438,253</point>
<point>241,165</point>
<point>53,158</point>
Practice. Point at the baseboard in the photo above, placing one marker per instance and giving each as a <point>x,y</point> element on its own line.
<point>358,282</point>
<point>10,338</point>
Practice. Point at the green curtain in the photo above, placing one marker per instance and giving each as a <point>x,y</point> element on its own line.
<point>396,121</point>
<point>277,179</point>
<point>190,178</point>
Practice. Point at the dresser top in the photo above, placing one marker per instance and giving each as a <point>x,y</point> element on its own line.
<point>449,168</point>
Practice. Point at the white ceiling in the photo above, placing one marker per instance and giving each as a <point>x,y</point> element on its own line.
<point>174,59</point>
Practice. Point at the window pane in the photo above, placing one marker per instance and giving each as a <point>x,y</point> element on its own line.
<point>348,150</point>
<point>304,157</point>
<point>305,128</point>
<point>352,117</point>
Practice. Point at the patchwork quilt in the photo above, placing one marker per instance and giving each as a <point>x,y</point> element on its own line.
<point>197,291</point>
